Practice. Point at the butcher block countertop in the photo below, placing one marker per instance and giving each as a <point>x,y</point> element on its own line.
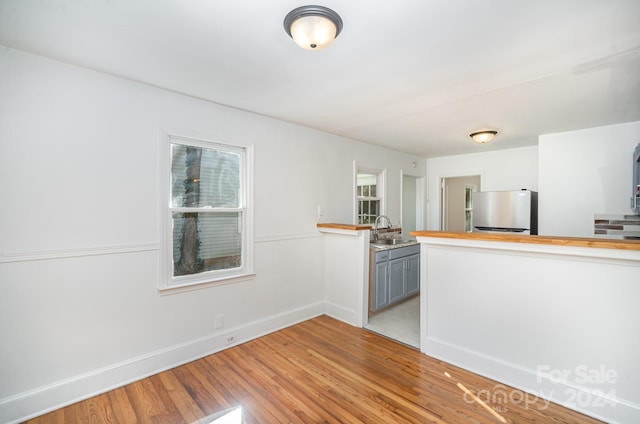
<point>548,240</point>
<point>345,226</point>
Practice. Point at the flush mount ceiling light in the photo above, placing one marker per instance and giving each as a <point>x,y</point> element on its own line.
<point>482,137</point>
<point>313,27</point>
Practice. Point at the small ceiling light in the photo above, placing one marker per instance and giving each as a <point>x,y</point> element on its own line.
<point>313,27</point>
<point>483,136</point>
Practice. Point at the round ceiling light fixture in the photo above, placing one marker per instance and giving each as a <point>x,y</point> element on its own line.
<point>313,27</point>
<point>482,137</point>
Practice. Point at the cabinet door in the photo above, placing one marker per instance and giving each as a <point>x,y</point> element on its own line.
<point>380,287</point>
<point>413,274</point>
<point>397,288</point>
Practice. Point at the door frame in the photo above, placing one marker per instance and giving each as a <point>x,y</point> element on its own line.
<point>421,184</point>
<point>381,187</point>
<point>442,194</point>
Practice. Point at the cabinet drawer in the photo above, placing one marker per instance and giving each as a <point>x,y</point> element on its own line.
<point>404,251</point>
<point>381,256</point>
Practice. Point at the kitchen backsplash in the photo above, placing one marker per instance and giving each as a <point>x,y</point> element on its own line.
<point>611,226</point>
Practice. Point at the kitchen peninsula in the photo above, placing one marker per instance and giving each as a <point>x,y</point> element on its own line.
<point>346,269</point>
<point>555,316</point>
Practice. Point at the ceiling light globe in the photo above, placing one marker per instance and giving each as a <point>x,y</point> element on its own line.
<point>482,137</point>
<point>313,27</point>
<point>313,32</point>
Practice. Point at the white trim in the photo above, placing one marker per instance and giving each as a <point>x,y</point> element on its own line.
<point>381,187</point>
<point>29,404</point>
<point>420,198</point>
<point>354,187</point>
<point>127,248</point>
<point>402,223</point>
<point>628,257</point>
<point>339,312</point>
<point>421,201</point>
<point>169,284</point>
<point>249,217</point>
<point>211,282</point>
<point>268,238</point>
<point>340,231</point>
<point>77,253</point>
<point>382,177</point>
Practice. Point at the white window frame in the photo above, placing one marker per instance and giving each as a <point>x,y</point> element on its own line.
<point>169,283</point>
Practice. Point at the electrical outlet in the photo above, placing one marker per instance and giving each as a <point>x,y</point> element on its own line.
<point>231,339</point>
<point>219,321</point>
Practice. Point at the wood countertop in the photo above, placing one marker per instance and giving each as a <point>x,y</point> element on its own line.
<point>549,240</point>
<point>345,226</point>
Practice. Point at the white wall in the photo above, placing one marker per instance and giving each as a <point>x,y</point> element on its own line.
<point>582,173</point>
<point>80,242</point>
<point>509,169</point>
<point>346,268</point>
<point>533,308</point>
<point>341,156</point>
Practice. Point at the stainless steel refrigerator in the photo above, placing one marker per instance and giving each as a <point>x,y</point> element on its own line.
<point>514,212</point>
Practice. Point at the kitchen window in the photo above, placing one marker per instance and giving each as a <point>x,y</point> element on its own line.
<point>208,215</point>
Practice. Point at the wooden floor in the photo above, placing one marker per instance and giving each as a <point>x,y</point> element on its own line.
<point>318,371</point>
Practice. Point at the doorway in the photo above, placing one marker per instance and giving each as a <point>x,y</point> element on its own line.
<point>401,322</point>
<point>412,204</point>
<point>369,194</point>
<point>457,208</point>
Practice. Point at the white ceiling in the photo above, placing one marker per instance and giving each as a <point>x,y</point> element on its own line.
<point>414,75</point>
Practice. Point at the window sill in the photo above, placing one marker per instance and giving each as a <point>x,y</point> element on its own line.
<point>190,286</point>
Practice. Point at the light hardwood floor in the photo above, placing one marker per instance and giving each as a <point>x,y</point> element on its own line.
<point>318,371</point>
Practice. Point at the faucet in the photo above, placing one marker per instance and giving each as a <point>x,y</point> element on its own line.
<point>378,221</point>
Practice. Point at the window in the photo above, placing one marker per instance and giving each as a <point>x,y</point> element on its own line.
<point>208,219</point>
<point>368,196</point>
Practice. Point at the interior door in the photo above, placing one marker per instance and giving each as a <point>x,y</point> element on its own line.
<point>456,211</point>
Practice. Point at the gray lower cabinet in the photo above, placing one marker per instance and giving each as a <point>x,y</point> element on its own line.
<point>413,274</point>
<point>397,281</point>
<point>394,276</point>
<point>380,294</point>
<point>378,280</point>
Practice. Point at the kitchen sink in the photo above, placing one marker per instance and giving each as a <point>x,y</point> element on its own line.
<point>391,242</point>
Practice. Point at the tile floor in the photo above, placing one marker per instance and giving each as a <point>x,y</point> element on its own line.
<point>400,322</point>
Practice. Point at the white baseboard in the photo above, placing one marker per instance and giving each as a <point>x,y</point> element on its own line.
<point>47,398</point>
<point>341,313</point>
<point>581,399</point>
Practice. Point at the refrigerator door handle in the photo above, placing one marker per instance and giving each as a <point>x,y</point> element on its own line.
<point>499,230</point>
